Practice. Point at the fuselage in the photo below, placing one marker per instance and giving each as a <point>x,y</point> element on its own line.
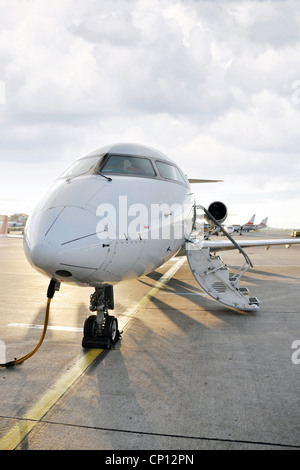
<point>119,212</point>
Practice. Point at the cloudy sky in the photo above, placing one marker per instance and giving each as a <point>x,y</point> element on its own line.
<point>214,84</point>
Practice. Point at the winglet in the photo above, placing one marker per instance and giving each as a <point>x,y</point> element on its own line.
<point>3,230</point>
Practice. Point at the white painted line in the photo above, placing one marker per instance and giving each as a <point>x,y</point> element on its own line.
<point>40,327</point>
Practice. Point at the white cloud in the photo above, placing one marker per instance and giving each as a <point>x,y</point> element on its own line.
<point>208,82</point>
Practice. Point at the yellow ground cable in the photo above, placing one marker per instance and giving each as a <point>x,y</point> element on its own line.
<point>50,293</point>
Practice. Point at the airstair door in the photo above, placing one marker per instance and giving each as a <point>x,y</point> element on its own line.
<point>214,276</point>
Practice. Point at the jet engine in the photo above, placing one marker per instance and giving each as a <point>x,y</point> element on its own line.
<point>218,210</point>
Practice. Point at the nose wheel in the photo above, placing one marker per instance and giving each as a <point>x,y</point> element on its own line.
<point>111,329</point>
<point>101,330</point>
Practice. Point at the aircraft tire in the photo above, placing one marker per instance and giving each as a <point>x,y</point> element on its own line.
<point>88,328</point>
<point>111,329</point>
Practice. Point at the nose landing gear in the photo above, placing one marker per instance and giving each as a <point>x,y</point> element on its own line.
<point>101,330</point>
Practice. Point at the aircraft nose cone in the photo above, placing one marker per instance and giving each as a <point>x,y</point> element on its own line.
<point>44,255</point>
<point>63,242</point>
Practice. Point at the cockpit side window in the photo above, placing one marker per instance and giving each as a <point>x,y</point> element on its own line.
<point>127,165</point>
<point>84,166</point>
<point>169,172</point>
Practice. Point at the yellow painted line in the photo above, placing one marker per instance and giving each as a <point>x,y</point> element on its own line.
<point>158,285</point>
<point>35,414</point>
<point>25,424</point>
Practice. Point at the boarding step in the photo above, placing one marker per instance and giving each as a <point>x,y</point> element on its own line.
<point>215,278</point>
<point>254,301</point>
<point>244,290</point>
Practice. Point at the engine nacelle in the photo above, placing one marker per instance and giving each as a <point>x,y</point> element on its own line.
<point>218,210</point>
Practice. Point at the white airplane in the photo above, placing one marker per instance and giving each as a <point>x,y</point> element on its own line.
<point>7,228</point>
<point>15,224</point>
<point>12,226</point>
<point>118,213</point>
<point>239,228</point>
<point>262,224</point>
<point>250,226</point>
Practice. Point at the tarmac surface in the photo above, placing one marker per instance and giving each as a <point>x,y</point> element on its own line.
<point>187,374</point>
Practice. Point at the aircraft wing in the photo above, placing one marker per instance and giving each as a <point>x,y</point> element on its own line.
<point>201,180</point>
<point>228,245</point>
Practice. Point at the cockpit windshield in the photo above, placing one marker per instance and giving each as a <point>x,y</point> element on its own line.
<point>128,165</point>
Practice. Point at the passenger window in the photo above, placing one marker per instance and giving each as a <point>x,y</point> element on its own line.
<point>125,165</point>
<point>169,172</point>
